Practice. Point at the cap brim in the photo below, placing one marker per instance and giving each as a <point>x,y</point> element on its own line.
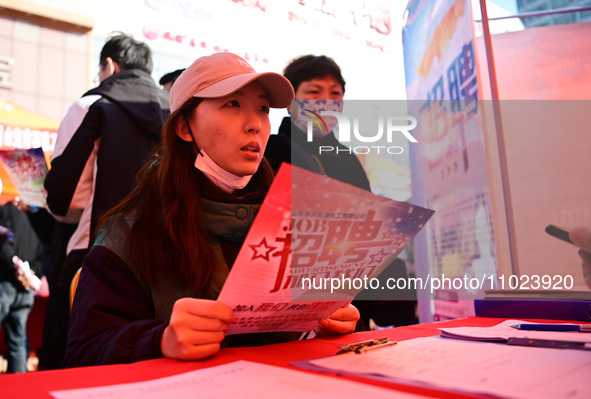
<point>277,87</point>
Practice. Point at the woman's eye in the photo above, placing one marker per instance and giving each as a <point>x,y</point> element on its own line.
<point>265,109</point>
<point>233,103</point>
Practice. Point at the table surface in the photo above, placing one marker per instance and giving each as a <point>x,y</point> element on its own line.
<point>38,384</point>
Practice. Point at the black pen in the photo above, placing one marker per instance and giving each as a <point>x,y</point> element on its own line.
<point>559,232</point>
<point>549,343</point>
<point>554,327</point>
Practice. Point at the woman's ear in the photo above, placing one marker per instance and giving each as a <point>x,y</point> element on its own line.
<point>182,130</point>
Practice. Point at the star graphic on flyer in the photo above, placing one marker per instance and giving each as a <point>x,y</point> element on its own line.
<point>378,257</point>
<point>387,234</point>
<point>400,241</point>
<point>262,250</point>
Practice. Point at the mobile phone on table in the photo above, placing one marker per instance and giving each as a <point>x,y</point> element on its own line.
<point>559,232</point>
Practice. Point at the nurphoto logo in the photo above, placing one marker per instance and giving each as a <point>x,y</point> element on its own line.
<point>317,123</point>
<point>388,128</point>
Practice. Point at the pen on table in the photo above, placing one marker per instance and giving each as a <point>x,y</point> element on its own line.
<point>554,327</point>
<point>549,343</point>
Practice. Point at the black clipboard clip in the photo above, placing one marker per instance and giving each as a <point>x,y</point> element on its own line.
<point>365,346</point>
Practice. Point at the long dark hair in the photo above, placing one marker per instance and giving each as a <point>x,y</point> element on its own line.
<point>168,235</point>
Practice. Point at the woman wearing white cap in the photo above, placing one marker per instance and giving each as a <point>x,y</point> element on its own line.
<point>148,286</point>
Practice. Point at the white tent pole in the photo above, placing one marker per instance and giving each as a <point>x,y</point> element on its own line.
<point>500,139</point>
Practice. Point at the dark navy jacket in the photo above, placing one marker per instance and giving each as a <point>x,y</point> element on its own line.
<point>119,123</point>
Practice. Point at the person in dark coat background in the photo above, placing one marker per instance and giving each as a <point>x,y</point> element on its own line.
<point>103,141</point>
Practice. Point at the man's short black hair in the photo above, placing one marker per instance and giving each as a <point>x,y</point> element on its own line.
<point>127,52</point>
<point>308,67</point>
<point>170,77</point>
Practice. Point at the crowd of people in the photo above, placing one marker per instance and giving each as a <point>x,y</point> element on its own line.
<point>17,238</point>
<point>142,179</point>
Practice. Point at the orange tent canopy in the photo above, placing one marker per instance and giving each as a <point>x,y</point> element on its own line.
<point>16,116</point>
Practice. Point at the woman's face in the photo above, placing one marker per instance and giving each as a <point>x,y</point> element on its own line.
<point>233,130</point>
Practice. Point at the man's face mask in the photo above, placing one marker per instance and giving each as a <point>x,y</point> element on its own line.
<point>305,114</point>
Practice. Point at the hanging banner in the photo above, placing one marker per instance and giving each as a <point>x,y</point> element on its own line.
<point>448,166</point>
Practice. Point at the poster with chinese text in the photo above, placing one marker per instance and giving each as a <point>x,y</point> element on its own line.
<point>449,165</point>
